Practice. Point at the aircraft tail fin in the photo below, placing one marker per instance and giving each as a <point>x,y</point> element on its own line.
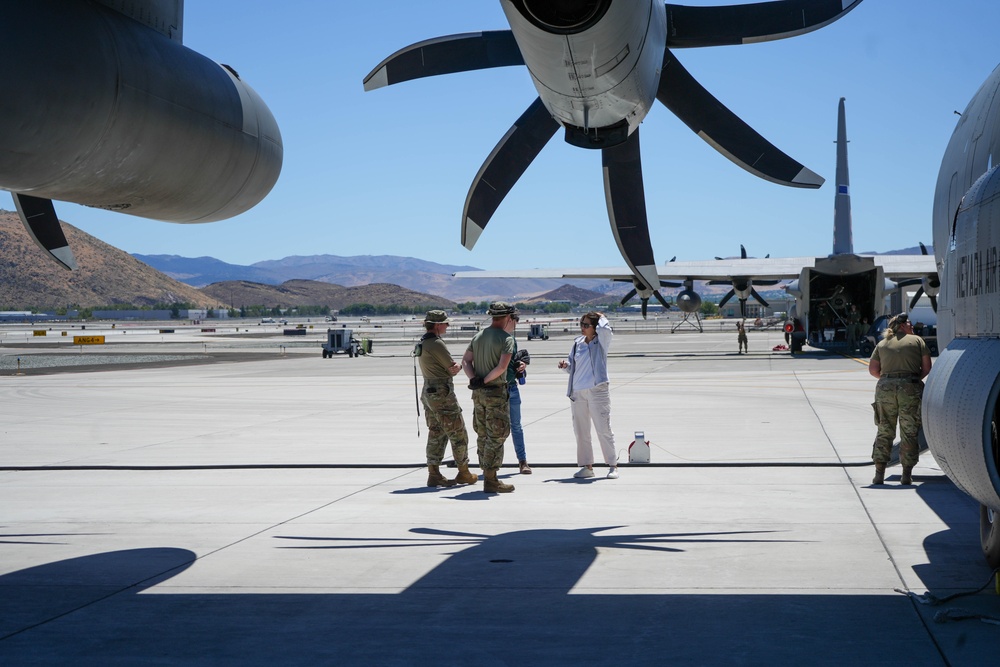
<point>843,235</point>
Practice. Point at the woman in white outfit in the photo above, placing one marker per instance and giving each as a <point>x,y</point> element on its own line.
<point>587,365</point>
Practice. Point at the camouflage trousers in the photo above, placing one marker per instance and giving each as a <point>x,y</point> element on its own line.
<point>491,420</point>
<point>444,422</point>
<point>897,399</point>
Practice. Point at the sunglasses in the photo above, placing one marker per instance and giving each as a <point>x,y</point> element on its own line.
<point>586,325</point>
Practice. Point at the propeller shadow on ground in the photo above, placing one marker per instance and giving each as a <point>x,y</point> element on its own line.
<point>497,599</point>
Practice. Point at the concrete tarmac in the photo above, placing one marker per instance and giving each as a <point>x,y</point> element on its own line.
<point>274,511</point>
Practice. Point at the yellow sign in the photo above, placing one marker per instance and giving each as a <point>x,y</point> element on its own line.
<point>38,332</point>
<point>88,340</point>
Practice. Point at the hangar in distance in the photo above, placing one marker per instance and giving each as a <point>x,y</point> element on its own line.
<point>598,67</point>
<point>107,108</point>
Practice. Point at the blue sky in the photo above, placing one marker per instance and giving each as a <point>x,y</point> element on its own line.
<point>387,172</point>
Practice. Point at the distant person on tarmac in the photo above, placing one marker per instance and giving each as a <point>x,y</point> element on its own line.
<point>441,408</point>
<point>590,398</point>
<point>741,338</point>
<point>900,362</point>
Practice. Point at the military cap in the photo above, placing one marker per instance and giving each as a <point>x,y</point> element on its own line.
<point>436,317</point>
<point>501,308</point>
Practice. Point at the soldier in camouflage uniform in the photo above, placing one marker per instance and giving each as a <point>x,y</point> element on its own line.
<point>441,408</point>
<point>485,363</point>
<point>900,362</point>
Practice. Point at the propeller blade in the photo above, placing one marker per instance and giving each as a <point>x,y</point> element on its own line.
<point>916,297</point>
<point>741,24</point>
<point>725,131</point>
<point>933,302</point>
<point>923,248</point>
<point>759,298</point>
<point>663,302</point>
<point>39,217</point>
<point>626,201</point>
<point>729,295</point>
<point>627,297</point>
<point>645,304</point>
<point>447,55</point>
<point>743,252</point>
<point>503,167</point>
<point>743,308</point>
<point>909,281</point>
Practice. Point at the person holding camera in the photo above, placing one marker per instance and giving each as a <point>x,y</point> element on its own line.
<point>516,374</point>
<point>485,363</point>
<point>441,408</point>
<point>587,365</point>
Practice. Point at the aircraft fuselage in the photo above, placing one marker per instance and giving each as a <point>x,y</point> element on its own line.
<point>961,411</point>
<point>825,292</point>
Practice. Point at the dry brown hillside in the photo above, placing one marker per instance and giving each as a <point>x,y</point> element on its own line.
<point>106,275</point>
<point>237,293</point>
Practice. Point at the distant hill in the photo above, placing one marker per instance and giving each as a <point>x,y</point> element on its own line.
<point>571,293</point>
<point>237,293</point>
<point>106,275</point>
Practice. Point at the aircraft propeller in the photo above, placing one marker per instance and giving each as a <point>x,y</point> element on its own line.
<point>742,287</point>
<point>644,292</point>
<point>686,27</point>
<point>929,285</point>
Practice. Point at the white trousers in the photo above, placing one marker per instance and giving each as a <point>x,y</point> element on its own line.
<point>593,406</point>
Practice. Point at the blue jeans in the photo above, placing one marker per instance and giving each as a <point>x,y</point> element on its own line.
<point>516,432</point>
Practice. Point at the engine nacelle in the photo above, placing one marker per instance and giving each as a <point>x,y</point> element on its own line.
<point>618,71</point>
<point>960,417</point>
<point>106,112</point>
<point>688,300</point>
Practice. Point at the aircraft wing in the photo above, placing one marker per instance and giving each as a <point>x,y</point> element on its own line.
<point>786,268</point>
<point>768,268</point>
<point>906,266</point>
<point>164,16</point>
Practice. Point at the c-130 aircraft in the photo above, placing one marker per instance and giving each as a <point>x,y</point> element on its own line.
<point>106,108</point>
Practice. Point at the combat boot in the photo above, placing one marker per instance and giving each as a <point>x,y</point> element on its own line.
<point>493,485</point>
<point>435,478</point>
<point>907,477</point>
<point>879,474</point>
<point>465,476</point>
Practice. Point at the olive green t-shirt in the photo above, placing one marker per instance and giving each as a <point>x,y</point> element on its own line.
<point>901,354</point>
<point>487,347</point>
<point>435,360</point>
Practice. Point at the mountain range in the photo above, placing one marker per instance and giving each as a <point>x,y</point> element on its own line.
<point>408,272</point>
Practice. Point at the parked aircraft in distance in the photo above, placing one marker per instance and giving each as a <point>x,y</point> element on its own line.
<point>961,411</point>
<point>824,287</point>
<point>598,66</point>
<point>114,112</point>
